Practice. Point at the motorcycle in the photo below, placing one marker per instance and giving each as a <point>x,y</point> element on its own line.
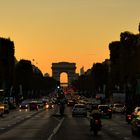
<point>95,125</point>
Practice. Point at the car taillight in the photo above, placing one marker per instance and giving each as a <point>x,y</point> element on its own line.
<point>97,121</point>
<point>129,116</point>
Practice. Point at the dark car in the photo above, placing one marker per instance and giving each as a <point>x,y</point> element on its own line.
<point>105,110</point>
<point>71,103</point>
<point>135,125</point>
<point>49,105</point>
<point>40,103</point>
<point>24,105</point>
<point>33,106</point>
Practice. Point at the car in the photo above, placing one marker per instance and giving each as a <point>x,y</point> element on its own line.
<point>24,105</point>
<point>91,106</point>
<point>40,103</point>
<point>118,108</point>
<point>70,103</point>
<point>135,112</point>
<point>105,110</point>
<point>79,109</point>
<point>49,105</point>
<point>33,106</point>
<point>5,107</point>
<point>135,125</point>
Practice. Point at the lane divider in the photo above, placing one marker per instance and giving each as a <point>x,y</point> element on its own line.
<point>56,129</point>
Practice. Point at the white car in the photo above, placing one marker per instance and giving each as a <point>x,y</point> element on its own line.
<point>79,109</point>
<point>118,108</point>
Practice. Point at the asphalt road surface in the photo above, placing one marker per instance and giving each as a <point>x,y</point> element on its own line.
<point>49,125</point>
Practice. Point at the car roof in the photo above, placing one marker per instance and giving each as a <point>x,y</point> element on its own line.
<point>137,109</point>
<point>78,105</point>
<point>118,104</point>
<point>103,105</point>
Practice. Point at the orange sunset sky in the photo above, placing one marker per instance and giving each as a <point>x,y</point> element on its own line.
<point>78,31</point>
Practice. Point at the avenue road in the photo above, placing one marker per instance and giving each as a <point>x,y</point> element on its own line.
<point>49,125</point>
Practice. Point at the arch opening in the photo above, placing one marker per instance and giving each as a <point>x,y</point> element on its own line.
<point>64,79</point>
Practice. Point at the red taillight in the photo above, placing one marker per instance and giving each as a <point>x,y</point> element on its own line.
<point>109,110</point>
<point>97,121</point>
<point>129,116</point>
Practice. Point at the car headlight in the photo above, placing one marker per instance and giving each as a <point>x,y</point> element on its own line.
<point>47,106</point>
<point>1,107</point>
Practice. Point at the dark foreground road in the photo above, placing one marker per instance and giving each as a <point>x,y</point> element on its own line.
<point>48,125</point>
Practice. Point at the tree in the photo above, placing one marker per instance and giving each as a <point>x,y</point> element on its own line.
<point>24,75</point>
<point>7,64</point>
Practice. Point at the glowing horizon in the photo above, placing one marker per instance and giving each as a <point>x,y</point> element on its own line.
<point>78,31</point>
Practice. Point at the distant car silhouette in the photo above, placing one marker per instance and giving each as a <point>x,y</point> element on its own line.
<point>33,106</point>
<point>105,110</point>
<point>24,105</point>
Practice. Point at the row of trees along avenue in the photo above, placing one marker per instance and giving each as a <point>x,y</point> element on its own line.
<point>21,79</point>
<point>120,73</point>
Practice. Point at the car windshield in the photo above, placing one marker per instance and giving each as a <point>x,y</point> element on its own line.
<point>138,109</point>
<point>103,107</point>
<point>118,105</point>
<point>79,106</point>
<point>24,103</point>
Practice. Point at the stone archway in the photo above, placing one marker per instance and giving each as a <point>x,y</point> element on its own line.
<point>69,68</point>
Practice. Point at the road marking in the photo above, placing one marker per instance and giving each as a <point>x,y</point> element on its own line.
<point>57,119</point>
<point>126,138</point>
<point>2,128</point>
<point>56,129</point>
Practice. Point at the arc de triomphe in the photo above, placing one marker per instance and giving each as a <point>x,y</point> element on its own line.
<point>69,68</point>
